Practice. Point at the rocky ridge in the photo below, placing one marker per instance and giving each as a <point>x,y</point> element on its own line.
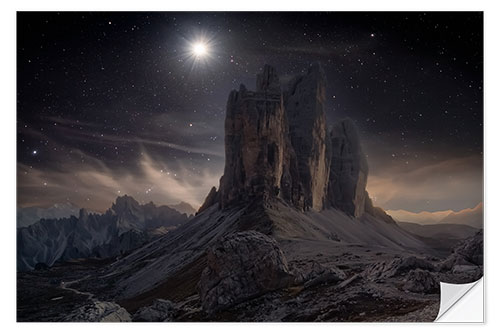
<point>125,226</point>
<point>466,256</point>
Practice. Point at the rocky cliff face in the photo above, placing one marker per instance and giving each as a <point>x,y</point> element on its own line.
<point>260,162</point>
<point>278,146</point>
<point>304,103</point>
<point>348,170</point>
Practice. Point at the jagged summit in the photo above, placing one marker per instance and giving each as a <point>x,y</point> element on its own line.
<point>125,203</point>
<point>268,81</point>
<point>278,146</point>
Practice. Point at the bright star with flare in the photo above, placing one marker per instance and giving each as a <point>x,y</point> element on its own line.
<point>200,50</point>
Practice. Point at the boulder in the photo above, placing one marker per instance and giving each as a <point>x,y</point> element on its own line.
<point>160,310</point>
<point>467,253</point>
<point>241,266</point>
<point>98,311</point>
<point>468,269</point>
<point>471,249</point>
<point>420,281</point>
<point>329,276</point>
<point>396,267</point>
<point>314,273</point>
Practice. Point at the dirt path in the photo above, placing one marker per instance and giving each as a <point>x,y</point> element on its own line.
<point>66,286</point>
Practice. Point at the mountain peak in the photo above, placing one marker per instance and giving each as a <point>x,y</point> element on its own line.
<point>184,208</point>
<point>257,145</point>
<point>124,203</point>
<point>278,146</point>
<point>268,81</point>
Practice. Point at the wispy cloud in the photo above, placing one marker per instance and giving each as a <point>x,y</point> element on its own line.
<point>451,184</point>
<point>89,133</point>
<point>95,185</point>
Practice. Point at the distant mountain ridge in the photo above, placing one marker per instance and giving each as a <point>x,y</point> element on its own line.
<point>184,208</point>
<point>123,227</point>
<point>469,216</point>
<point>26,216</point>
<point>456,231</point>
<point>29,215</point>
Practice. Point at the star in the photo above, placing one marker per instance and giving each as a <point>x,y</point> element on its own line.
<point>199,49</point>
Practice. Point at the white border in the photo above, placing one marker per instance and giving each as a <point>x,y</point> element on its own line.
<point>8,165</point>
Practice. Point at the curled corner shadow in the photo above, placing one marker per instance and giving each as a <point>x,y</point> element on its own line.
<point>461,303</point>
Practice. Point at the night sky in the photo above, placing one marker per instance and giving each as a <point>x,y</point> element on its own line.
<point>119,103</point>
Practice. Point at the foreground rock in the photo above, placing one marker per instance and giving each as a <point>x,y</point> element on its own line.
<point>242,266</point>
<point>420,281</point>
<point>314,273</point>
<point>99,311</point>
<point>468,253</point>
<point>396,267</point>
<point>160,310</point>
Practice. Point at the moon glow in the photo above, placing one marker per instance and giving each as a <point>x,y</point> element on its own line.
<point>199,50</point>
